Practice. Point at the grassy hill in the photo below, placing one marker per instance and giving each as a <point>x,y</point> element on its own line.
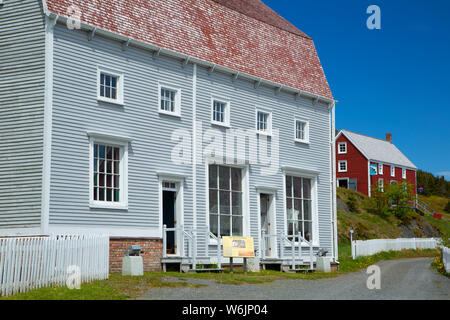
<point>353,214</point>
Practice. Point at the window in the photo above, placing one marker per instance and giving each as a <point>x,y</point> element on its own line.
<point>220,112</point>
<point>380,168</point>
<point>225,201</point>
<point>342,166</point>
<point>381,185</point>
<point>169,100</point>
<point>110,86</point>
<point>299,206</point>
<point>263,122</point>
<point>392,171</point>
<point>342,147</point>
<point>403,173</point>
<point>108,181</point>
<point>301,131</point>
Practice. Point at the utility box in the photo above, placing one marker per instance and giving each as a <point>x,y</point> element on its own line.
<point>132,263</point>
<point>253,264</point>
<point>323,264</point>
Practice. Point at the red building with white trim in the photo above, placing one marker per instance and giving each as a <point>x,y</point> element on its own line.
<point>357,153</point>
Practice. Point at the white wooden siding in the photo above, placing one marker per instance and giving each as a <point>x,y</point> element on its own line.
<point>22,65</point>
<point>76,111</point>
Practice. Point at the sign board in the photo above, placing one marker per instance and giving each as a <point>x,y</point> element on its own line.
<point>373,169</point>
<point>421,190</point>
<point>238,247</point>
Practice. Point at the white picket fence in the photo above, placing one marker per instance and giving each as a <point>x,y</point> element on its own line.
<point>370,247</point>
<point>446,258</point>
<point>34,262</point>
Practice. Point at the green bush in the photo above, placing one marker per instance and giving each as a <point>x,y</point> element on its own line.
<point>352,203</point>
<point>447,207</point>
<point>393,200</point>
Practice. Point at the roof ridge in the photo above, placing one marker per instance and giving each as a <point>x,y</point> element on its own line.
<point>300,33</point>
<point>365,135</point>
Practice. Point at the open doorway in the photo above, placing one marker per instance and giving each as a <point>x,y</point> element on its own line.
<point>266,207</point>
<point>343,183</point>
<point>171,214</point>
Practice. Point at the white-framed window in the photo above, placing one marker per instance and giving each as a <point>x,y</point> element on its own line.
<point>403,173</point>
<point>263,122</point>
<point>342,166</point>
<point>299,206</point>
<point>109,85</point>
<point>381,185</point>
<point>220,112</point>
<point>342,147</point>
<point>108,173</point>
<point>302,131</point>
<point>392,171</point>
<point>380,168</point>
<point>169,100</point>
<point>225,200</point>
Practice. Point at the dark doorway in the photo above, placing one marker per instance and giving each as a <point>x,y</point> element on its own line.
<point>169,219</point>
<point>343,183</point>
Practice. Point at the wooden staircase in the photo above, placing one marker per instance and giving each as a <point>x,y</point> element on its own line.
<point>423,208</point>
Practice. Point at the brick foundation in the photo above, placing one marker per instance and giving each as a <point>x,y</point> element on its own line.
<point>151,253</point>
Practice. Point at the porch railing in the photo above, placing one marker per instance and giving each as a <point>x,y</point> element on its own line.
<point>293,241</point>
<point>191,235</point>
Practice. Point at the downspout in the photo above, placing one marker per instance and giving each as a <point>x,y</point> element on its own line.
<point>333,184</point>
<point>369,177</point>
<point>194,147</point>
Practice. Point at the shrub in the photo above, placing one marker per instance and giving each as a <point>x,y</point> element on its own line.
<point>447,207</point>
<point>392,201</point>
<point>352,203</point>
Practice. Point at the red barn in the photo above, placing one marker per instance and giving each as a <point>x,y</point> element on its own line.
<point>362,162</point>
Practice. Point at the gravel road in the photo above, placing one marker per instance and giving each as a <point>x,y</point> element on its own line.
<point>400,279</point>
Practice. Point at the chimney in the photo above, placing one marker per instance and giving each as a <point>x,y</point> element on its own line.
<point>389,137</point>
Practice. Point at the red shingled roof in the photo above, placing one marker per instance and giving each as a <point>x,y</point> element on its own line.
<point>245,35</point>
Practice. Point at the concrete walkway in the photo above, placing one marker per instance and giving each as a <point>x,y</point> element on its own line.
<point>400,279</point>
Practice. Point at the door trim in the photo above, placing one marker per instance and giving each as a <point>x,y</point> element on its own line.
<point>179,206</point>
<point>271,216</point>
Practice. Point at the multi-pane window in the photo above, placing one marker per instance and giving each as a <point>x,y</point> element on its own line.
<point>299,206</point>
<point>301,130</point>
<point>342,166</point>
<point>342,147</point>
<point>220,112</point>
<point>380,168</point>
<point>107,186</point>
<point>403,173</point>
<point>108,86</point>
<point>263,122</point>
<point>392,171</point>
<point>225,201</point>
<point>381,185</point>
<point>168,100</point>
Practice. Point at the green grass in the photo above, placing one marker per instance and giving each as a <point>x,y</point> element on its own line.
<point>116,288</point>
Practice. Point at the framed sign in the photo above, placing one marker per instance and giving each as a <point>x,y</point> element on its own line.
<point>373,169</point>
<point>238,247</point>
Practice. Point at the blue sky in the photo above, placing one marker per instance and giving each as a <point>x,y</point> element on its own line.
<point>396,79</point>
